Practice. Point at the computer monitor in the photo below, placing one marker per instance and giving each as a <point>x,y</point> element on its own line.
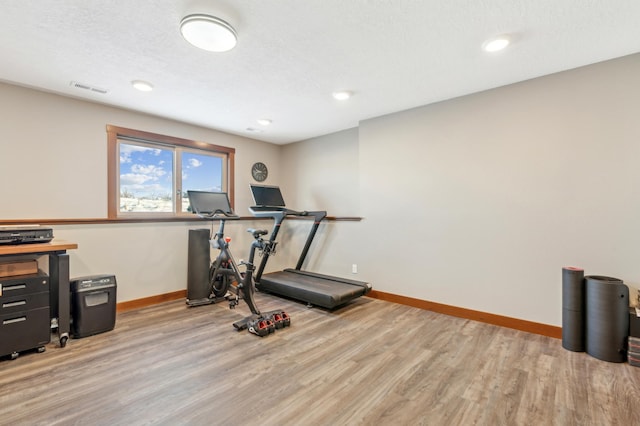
<point>264,195</point>
<point>205,202</point>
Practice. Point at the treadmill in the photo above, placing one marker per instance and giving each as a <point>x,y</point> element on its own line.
<point>316,289</point>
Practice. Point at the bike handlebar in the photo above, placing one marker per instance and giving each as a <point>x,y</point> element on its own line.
<point>217,215</point>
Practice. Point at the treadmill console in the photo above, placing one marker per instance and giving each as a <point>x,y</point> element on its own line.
<point>268,211</point>
<point>265,195</point>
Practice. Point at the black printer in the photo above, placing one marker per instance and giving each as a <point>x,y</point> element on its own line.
<point>19,234</point>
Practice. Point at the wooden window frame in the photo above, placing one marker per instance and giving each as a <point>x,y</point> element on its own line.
<point>114,133</point>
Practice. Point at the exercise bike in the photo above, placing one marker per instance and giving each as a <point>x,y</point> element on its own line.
<point>226,281</point>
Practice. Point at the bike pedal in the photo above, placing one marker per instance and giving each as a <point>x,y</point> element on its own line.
<point>277,320</point>
<point>286,319</point>
<point>261,327</point>
<point>280,319</point>
<point>271,325</point>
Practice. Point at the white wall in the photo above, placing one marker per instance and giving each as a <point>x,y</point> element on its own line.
<point>54,153</point>
<point>53,165</point>
<point>322,174</point>
<point>476,202</point>
<point>147,259</point>
<point>479,201</point>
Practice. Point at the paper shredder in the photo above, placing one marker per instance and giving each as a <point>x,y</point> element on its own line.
<point>93,305</point>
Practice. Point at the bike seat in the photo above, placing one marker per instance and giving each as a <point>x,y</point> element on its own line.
<point>257,232</point>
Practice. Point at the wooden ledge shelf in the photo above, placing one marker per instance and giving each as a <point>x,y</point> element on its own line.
<point>93,221</point>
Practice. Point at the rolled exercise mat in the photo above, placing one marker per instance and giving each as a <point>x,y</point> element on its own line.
<point>607,318</point>
<point>199,258</point>
<point>573,309</point>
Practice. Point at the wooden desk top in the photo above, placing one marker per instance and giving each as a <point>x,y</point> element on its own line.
<point>54,245</point>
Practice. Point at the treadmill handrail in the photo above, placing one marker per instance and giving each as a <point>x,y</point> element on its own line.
<point>318,216</point>
<point>278,214</point>
<point>281,212</point>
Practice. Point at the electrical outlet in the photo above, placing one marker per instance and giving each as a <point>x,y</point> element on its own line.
<point>354,268</point>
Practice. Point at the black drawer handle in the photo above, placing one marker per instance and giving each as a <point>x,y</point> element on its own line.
<point>12,304</point>
<point>14,320</point>
<point>14,287</point>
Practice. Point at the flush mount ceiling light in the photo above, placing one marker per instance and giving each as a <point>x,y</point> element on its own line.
<point>143,86</point>
<point>496,44</point>
<point>208,32</point>
<point>264,121</point>
<point>342,95</point>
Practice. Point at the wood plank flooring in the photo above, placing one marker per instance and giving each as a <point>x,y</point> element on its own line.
<point>369,363</point>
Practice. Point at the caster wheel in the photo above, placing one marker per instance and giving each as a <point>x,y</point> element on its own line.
<point>41,349</point>
<point>14,355</point>
<point>63,341</point>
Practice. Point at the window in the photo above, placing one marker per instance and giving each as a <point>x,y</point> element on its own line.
<point>149,174</point>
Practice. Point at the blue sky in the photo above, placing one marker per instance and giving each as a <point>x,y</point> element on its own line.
<point>148,172</point>
<point>201,172</point>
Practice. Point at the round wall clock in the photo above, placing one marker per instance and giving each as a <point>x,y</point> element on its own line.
<point>259,171</point>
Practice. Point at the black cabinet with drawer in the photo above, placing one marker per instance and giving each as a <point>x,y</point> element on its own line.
<point>24,313</point>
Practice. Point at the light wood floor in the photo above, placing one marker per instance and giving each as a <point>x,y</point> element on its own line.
<point>370,363</point>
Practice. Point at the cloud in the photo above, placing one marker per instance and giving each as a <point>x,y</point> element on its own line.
<point>194,162</point>
<point>127,150</point>
<point>134,179</point>
<point>151,170</point>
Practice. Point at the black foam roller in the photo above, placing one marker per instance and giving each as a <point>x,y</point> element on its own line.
<point>573,309</point>
<point>573,330</point>
<point>198,265</point>
<point>573,288</point>
<point>607,318</point>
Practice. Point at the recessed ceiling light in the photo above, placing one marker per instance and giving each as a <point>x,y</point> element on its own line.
<point>342,95</point>
<point>208,32</point>
<point>264,121</point>
<point>143,86</point>
<point>254,130</point>
<point>496,44</point>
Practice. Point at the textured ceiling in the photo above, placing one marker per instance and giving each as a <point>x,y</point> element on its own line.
<point>292,54</point>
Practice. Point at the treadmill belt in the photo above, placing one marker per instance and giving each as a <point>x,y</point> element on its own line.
<point>316,289</point>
